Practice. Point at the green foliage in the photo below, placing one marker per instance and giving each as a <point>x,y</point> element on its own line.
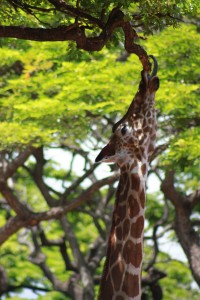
<point>14,259</point>
<point>178,276</point>
<point>153,15</point>
<point>42,115</point>
<point>47,90</point>
<point>27,192</point>
<point>84,229</point>
<point>177,284</point>
<point>177,98</point>
<point>49,100</point>
<point>154,210</point>
<point>165,12</point>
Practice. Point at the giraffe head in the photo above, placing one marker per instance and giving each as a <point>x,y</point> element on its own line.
<point>119,147</point>
<point>129,133</point>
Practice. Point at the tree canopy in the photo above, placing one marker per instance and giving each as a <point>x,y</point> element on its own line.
<point>58,103</point>
<point>91,18</point>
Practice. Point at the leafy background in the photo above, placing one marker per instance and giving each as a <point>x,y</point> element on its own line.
<point>52,94</point>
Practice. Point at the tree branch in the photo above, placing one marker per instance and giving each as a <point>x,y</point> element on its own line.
<point>151,280</point>
<point>76,33</point>
<point>12,288</point>
<point>37,174</point>
<point>32,219</point>
<point>96,253</point>
<point>159,223</point>
<point>86,277</point>
<point>63,249</point>
<point>77,183</point>
<point>62,6</point>
<point>38,258</point>
<point>11,227</point>
<point>11,167</point>
<point>20,209</point>
<point>167,187</point>
<point>188,237</point>
<point>3,281</point>
<point>193,199</point>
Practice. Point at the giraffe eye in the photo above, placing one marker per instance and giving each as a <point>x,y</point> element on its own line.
<point>123,130</point>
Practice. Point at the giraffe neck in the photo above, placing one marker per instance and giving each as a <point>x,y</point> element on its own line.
<point>122,270</point>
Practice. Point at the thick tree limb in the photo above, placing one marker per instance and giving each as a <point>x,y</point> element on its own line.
<point>20,209</point>
<point>37,174</point>
<point>3,281</point>
<point>156,226</point>
<point>188,237</point>
<point>76,33</point>
<point>86,278</point>
<point>11,227</point>
<point>28,218</point>
<point>11,167</point>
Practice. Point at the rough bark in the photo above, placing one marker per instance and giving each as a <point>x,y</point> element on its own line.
<point>76,32</point>
<point>187,236</point>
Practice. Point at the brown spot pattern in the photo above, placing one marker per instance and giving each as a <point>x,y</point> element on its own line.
<point>139,156</point>
<point>150,121</point>
<point>137,228</point>
<point>115,254</point>
<point>146,129</point>
<point>144,169</point>
<point>121,211</point>
<point>126,228</point>
<point>130,205</point>
<point>139,131</point>
<point>153,137</point>
<point>106,289</point>
<point>123,169</point>
<point>131,285</point>
<point>135,182</point>
<point>126,188</point>
<point>133,206</point>
<point>119,233</point>
<point>117,273</point>
<point>124,178</point>
<point>142,198</point>
<point>132,253</point>
<point>131,141</point>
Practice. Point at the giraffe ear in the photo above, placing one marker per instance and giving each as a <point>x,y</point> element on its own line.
<point>106,153</point>
<point>154,84</point>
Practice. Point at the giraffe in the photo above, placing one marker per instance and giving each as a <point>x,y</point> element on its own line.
<point>130,147</point>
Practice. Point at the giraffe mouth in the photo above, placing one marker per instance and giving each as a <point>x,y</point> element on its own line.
<point>106,153</point>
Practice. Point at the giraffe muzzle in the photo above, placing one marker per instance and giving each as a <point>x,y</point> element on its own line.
<point>106,153</point>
